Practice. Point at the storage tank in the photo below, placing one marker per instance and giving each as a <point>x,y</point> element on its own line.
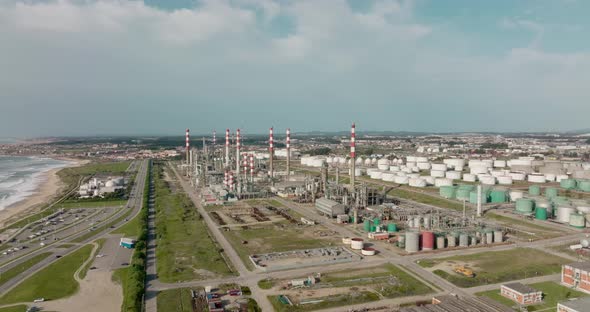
<point>394,168</point>
<point>412,241</point>
<point>439,167</point>
<point>429,180</point>
<point>453,175</point>
<point>489,237</point>
<point>498,236</point>
<point>451,240</point>
<point>417,182</point>
<point>376,221</point>
<point>487,180</point>
<point>551,192</point>
<point>463,194</point>
<point>440,242</point>
<point>346,240</point>
<point>514,195</point>
<point>499,163</point>
<point>438,182</point>
<point>534,190</point>
<point>447,191</point>
<point>545,204</point>
<point>561,200</point>
<point>427,222</point>
<point>536,178</point>
<point>577,220</point>
<point>427,240</point>
<point>563,213</point>
<point>463,240</point>
<point>524,205</point>
<point>367,162</point>
<point>401,180</point>
<point>584,185</point>
<point>568,184</point>
<point>357,243</point>
<point>468,177</point>
<point>437,173</point>
<point>367,225</point>
<point>368,251</point>
<point>583,208</point>
<point>541,213</point>
<point>498,196</point>
<point>423,165</point>
<point>391,227</point>
<point>401,241</point>
<point>504,180</point>
<point>550,177</point>
<point>517,176</point>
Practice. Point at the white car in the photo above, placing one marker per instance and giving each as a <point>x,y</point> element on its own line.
<point>39,300</point>
<point>99,255</point>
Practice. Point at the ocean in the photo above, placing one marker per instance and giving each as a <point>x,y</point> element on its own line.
<point>20,176</point>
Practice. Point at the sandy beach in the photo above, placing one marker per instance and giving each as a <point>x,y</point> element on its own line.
<point>49,188</point>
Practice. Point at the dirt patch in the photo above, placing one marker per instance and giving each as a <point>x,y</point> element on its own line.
<point>297,295</point>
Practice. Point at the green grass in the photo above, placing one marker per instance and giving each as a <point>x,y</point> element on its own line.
<point>272,238</point>
<point>53,282</point>
<point>129,229</point>
<point>185,250</point>
<point>84,271</point>
<point>92,204</point>
<point>175,300</point>
<point>10,274</point>
<point>500,266</point>
<point>120,276</point>
<point>16,308</point>
<point>520,222</point>
<point>353,297</point>
<point>426,199</point>
<point>552,294</point>
<point>65,246</point>
<point>266,283</point>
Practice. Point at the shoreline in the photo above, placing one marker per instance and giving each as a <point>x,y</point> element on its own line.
<point>49,187</point>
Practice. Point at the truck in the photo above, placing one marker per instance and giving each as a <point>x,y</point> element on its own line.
<point>461,269</point>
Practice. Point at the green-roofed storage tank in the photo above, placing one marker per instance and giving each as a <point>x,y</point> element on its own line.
<point>534,190</point>
<point>577,220</point>
<point>568,184</point>
<point>524,205</point>
<point>367,225</point>
<point>376,221</point>
<point>391,227</point>
<point>463,194</point>
<point>498,196</point>
<point>551,192</point>
<point>584,185</point>
<point>447,191</point>
<point>541,213</point>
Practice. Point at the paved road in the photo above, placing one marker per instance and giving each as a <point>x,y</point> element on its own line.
<point>133,203</point>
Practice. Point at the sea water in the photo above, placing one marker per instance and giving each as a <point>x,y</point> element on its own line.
<point>20,176</point>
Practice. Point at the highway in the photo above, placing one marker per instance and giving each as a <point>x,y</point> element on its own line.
<point>134,203</point>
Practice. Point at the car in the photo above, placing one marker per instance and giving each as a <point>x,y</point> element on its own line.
<point>42,244</point>
<point>93,268</point>
<point>39,300</point>
<point>58,256</point>
<point>124,264</point>
<point>99,255</point>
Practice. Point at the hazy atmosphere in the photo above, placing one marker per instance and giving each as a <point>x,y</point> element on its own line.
<point>157,67</point>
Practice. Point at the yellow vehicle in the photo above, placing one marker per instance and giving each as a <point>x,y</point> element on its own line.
<point>460,269</point>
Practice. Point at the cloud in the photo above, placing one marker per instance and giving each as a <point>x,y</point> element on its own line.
<point>125,67</point>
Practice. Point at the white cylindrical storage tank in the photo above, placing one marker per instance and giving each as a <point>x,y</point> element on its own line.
<point>517,176</point>
<point>429,180</point>
<point>423,165</point>
<point>410,164</point>
<point>421,159</point>
<point>413,175</point>
<point>451,240</point>
<point>388,176</point>
<point>497,173</point>
<point>383,166</point>
<point>438,182</point>
<point>410,159</point>
<point>359,161</point>
<point>415,169</point>
<point>357,243</point>
<point>468,177</point>
<point>499,163</point>
<point>549,177</point>
<point>412,241</point>
<point>487,180</point>
<point>373,161</point>
<point>583,208</point>
<point>498,236</point>
<point>489,237</point>
<point>346,240</point>
<point>417,182</point>
<point>505,180</point>
<point>440,242</point>
<point>401,180</point>
<point>514,195</point>
<point>394,168</point>
<point>560,177</point>
<point>368,252</point>
<point>329,159</point>
<point>478,170</point>
<point>453,175</point>
<point>536,178</point>
<point>437,173</point>
<point>367,162</point>
<point>406,169</point>
<point>563,213</point>
<point>439,167</point>
<point>463,240</point>
<point>342,160</point>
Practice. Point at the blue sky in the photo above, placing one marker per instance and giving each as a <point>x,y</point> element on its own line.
<point>73,67</point>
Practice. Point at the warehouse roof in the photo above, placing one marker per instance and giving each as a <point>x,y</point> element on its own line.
<point>520,288</point>
<point>580,265</point>
<point>581,304</point>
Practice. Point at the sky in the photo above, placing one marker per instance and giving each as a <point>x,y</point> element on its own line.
<point>108,67</point>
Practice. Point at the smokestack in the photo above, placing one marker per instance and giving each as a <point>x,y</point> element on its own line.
<point>214,138</point>
<point>226,148</point>
<point>271,150</point>
<point>288,152</point>
<point>238,152</point>
<point>188,145</point>
<point>352,154</point>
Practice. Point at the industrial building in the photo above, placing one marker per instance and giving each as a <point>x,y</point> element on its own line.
<point>577,276</point>
<point>575,305</point>
<point>521,294</point>
<point>449,303</point>
<point>329,207</point>
<point>99,187</point>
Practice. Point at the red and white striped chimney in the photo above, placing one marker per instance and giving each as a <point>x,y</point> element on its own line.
<point>214,137</point>
<point>227,147</point>
<point>188,145</point>
<point>271,150</point>
<point>238,152</point>
<point>352,154</point>
<point>252,167</point>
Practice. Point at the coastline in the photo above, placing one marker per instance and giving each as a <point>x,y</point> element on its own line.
<point>50,186</point>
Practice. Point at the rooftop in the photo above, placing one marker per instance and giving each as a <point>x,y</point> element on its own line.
<point>581,304</point>
<point>521,288</point>
<point>580,265</point>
